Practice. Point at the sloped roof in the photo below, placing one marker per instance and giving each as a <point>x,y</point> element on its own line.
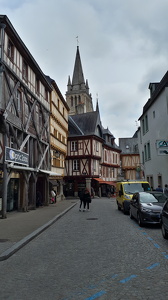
<point>159,88</point>
<point>89,123</point>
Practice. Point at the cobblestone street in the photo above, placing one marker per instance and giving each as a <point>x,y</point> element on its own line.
<point>100,254</point>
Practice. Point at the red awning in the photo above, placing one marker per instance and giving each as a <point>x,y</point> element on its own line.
<point>101,181</point>
<point>110,182</point>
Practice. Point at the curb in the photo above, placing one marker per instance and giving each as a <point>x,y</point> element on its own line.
<point>9,252</point>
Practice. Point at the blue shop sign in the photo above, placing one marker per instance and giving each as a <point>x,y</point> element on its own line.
<point>15,156</point>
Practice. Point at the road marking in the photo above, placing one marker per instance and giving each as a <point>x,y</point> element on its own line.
<point>153,266</point>
<point>97,295</point>
<point>128,278</point>
<point>149,238</point>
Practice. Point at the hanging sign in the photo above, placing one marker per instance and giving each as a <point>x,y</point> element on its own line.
<point>15,156</point>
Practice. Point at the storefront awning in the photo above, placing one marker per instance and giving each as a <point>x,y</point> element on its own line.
<point>50,172</point>
<point>101,181</point>
<point>110,183</point>
<point>22,168</point>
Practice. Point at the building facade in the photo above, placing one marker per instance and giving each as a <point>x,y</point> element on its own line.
<point>24,132</point>
<point>58,138</point>
<point>131,167</point>
<point>153,136</point>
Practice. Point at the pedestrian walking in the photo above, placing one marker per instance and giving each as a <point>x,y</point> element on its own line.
<point>52,196</point>
<point>166,190</point>
<point>159,189</point>
<point>86,199</point>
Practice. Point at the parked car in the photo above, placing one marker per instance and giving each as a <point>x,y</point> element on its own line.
<point>164,220</point>
<point>125,190</point>
<point>146,207</point>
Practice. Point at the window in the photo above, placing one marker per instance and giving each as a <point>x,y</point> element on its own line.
<point>154,114</point>
<point>18,100</point>
<point>58,104</point>
<point>25,70</point>
<point>97,146</point>
<point>55,132</point>
<point>147,151</point>
<point>74,146</point>
<point>10,50</point>
<point>37,87</point>
<point>26,109</point>
<point>105,155</point>
<point>71,101</point>
<point>145,125</point>
<point>76,164</point>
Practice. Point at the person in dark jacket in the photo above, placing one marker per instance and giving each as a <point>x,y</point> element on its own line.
<point>86,199</point>
<point>81,199</point>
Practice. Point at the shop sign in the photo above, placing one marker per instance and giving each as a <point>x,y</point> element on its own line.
<point>15,156</point>
<point>162,146</point>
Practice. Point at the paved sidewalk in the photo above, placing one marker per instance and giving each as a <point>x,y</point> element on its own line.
<point>21,227</point>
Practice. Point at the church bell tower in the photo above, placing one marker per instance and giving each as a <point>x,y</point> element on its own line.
<point>77,96</point>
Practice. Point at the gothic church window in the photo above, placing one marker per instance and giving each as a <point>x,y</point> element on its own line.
<point>71,101</point>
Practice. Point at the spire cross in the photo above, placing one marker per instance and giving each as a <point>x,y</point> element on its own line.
<point>77,40</point>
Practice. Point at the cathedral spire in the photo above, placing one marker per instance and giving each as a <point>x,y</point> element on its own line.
<point>77,96</point>
<point>78,77</point>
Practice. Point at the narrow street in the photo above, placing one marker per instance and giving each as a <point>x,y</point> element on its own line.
<point>101,254</point>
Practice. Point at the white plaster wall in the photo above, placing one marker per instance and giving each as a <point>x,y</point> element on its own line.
<point>158,130</point>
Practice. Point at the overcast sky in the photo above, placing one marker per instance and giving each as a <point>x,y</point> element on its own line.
<point>123,46</point>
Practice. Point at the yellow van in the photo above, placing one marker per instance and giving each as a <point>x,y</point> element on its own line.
<point>125,190</point>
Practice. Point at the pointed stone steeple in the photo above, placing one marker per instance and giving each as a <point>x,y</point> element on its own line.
<point>78,81</point>
<point>77,96</point>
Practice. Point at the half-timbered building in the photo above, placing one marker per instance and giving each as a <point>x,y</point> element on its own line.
<point>93,157</point>
<point>131,168</point>
<point>24,125</point>
<point>58,138</point>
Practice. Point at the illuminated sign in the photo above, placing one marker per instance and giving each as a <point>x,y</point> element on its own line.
<point>15,156</point>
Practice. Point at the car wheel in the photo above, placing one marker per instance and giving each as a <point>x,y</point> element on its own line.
<point>131,216</point>
<point>124,210</point>
<point>164,232</point>
<point>139,220</point>
<point>119,207</point>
